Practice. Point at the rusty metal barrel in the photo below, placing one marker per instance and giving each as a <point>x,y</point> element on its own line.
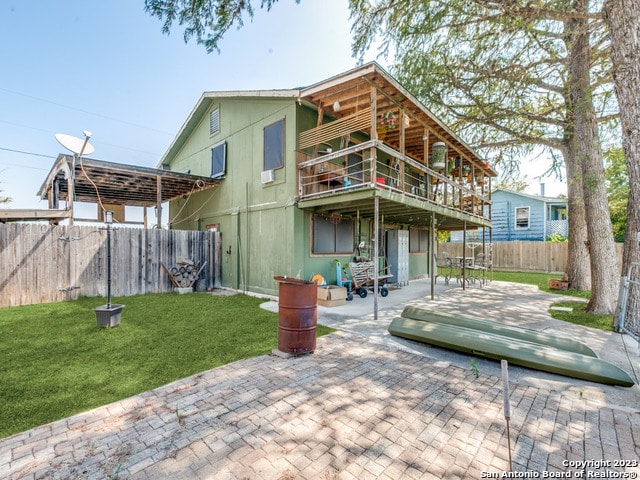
<point>297,315</point>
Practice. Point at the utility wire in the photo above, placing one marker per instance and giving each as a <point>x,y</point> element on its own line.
<point>48,132</point>
<point>27,153</point>
<point>84,111</point>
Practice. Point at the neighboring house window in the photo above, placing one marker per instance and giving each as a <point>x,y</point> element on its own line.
<point>274,145</point>
<point>214,121</point>
<point>218,159</point>
<point>522,217</point>
<point>332,235</point>
<point>418,240</point>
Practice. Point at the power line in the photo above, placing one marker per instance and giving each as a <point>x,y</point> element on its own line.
<point>85,111</point>
<point>25,166</point>
<point>96,142</point>
<point>27,153</point>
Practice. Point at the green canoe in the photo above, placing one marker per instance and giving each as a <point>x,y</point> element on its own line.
<point>518,352</point>
<point>516,333</point>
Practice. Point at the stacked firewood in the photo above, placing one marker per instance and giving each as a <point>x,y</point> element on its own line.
<point>184,273</point>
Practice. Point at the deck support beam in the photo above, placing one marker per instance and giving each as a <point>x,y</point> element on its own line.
<point>376,262</point>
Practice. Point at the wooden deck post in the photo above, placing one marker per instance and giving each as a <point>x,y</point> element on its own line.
<point>374,134</point>
<point>71,189</point>
<point>433,264</point>
<point>376,212</point>
<point>159,201</point>
<point>402,150</point>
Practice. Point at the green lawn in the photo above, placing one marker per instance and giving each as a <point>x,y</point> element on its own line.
<point>56,362</point>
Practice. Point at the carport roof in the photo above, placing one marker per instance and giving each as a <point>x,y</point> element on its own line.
<point>119,183</point>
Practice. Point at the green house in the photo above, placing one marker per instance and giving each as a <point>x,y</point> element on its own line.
<point>306,175</point>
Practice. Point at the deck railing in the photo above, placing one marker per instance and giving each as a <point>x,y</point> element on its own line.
<point>351,169</point>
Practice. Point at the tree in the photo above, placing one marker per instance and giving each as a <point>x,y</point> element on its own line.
<point>204,20</point>
<point>600,242</point>
<point>623,20</point>
<point>510,77</point>
<point>512,184</point>
<point>617,190</point>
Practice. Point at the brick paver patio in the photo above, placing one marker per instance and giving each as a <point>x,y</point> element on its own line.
<point>352,410</point>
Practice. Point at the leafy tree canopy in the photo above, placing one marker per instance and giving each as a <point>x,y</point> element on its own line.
<point>514,185</point>
<point>495,71</point>
<point>206,21</point>
<point>617,190</point>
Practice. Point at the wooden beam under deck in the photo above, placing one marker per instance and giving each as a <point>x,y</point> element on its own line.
<point>396,208</point>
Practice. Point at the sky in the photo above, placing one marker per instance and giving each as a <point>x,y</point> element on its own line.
<point>106,67</point>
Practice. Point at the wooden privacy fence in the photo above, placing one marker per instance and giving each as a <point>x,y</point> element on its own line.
<point>542,257</point>
<point>43,263</point>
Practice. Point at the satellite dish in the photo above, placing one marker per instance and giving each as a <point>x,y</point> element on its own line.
<point>75,144</point>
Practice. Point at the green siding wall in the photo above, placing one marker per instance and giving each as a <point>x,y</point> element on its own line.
<point>256,221</point>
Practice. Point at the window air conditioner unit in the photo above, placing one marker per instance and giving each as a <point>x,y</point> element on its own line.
<point>267,176</point>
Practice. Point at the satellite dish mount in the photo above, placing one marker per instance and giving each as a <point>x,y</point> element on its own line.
<point>77,146</point>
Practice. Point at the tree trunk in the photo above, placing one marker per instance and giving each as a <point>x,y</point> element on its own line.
<point>578,269</point>
<point>601,245</point>
<point>623,19</point>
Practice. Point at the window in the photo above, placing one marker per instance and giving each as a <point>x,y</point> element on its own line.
<point>332,235</point>
<point>522,217</point>
<point>418,240</point>
<point>274,145</point>
<point>218,159</point>
<point>214,121</point>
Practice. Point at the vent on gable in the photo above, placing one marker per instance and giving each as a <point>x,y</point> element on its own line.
<point>267,176</point>
<point>214,121</point>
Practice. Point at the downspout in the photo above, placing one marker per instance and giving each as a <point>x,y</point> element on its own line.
<point>248,242</point>
<point>238,246</point>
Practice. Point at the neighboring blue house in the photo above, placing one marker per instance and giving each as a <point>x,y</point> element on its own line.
<point>520,216</point>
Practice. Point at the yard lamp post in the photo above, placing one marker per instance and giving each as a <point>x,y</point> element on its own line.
<point>108,220</point>
<point>108,315</point>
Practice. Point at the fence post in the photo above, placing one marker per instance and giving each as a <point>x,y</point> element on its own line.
<point>621,310</point>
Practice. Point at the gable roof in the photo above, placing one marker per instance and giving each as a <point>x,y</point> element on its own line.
<point>204,104</point>
<point>352,90</point>
<point>530,196</point>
